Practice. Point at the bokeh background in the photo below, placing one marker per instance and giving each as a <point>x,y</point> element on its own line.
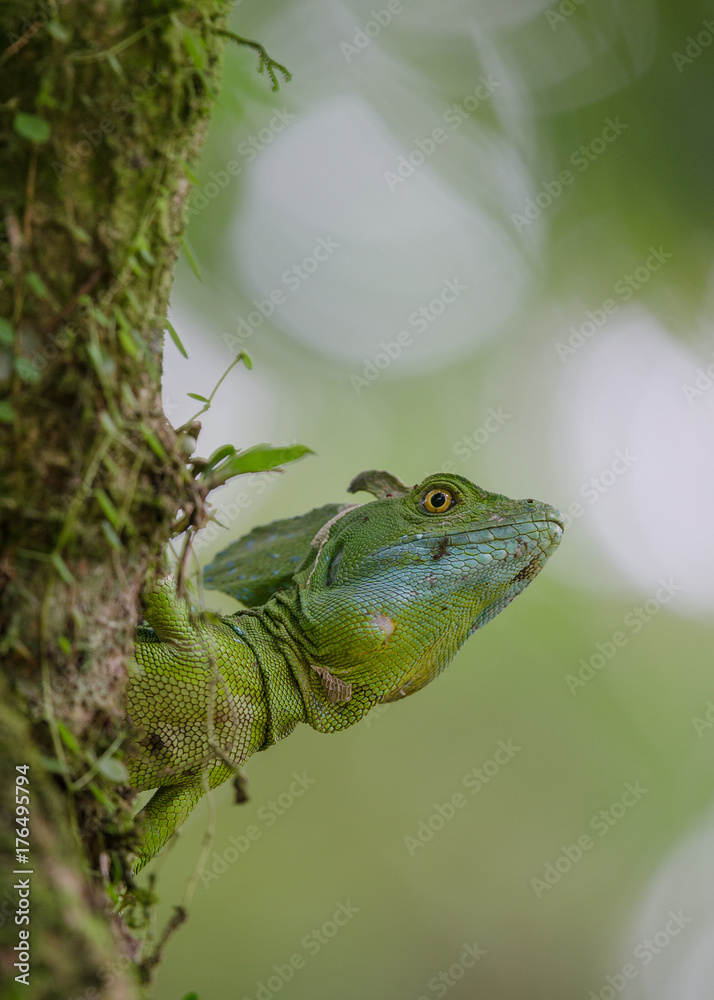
<point>473,236</point>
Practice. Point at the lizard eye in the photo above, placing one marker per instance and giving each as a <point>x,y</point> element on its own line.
<point>438,501</point>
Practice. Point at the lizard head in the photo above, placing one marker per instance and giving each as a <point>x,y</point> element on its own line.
<point>391,589</point>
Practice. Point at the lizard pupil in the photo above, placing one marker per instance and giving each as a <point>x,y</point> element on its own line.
<point>439,501</point>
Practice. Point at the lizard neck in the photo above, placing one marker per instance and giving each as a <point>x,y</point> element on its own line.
<point>295,689</point>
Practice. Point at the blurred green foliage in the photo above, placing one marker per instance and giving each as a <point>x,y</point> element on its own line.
<point>485,389</point>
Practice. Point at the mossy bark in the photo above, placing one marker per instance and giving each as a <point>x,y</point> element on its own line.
<point>103,105</point>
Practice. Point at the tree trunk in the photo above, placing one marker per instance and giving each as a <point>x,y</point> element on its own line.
<point>102,105</point>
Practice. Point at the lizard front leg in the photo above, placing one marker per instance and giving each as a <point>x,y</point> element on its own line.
<point>168,809</point>
<point>199,702</point>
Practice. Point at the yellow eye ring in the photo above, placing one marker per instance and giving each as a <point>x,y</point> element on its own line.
<point>438,501</point>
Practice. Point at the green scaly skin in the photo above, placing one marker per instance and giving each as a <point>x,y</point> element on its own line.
<point>383,596</point>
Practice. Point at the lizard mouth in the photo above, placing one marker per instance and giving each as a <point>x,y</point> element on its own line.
<point>529,540</point>
<point>549,531</point>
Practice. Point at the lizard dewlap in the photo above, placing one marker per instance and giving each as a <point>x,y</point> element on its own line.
<point>347,607</point>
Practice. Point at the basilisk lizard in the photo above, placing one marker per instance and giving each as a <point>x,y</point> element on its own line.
<point>346,607</point>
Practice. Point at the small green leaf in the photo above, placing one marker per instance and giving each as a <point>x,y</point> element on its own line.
<point>121,318</point>
<point>68,737</point>
<point>53,765</point>
<point>61,566</point>
<point>127,335</point>
<point>108,424</point>
<point>26,370</point>
<point>259,458</point>
<point>194,395</point>
<point>111,536</point>
<point>7,334</point>
<point>110,511</point>
<point>127,342</point>
<point>7,414</point>
<point>191,996</point>
<point>177,340</point>
<point>195,48</point>
<point>65,645</point>
<point>31,127</point>
<point>218,455</point>
<point>189,172</point>
<point>36,284</point>
<point>128,396</point>
<point>191,257</point>
<point>103,799</point>
<point>153,442</point>
<point>144,249</point>
<point>113,769</point>
<point>246,360</point>
<point>102,362</point>
<point>44,98</point>
<point>99,316</point>
<point>58,31</point>
<point>136,267</point>
<point>117,67</point>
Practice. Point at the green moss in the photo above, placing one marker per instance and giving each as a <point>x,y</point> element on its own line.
<point>90,233</point>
